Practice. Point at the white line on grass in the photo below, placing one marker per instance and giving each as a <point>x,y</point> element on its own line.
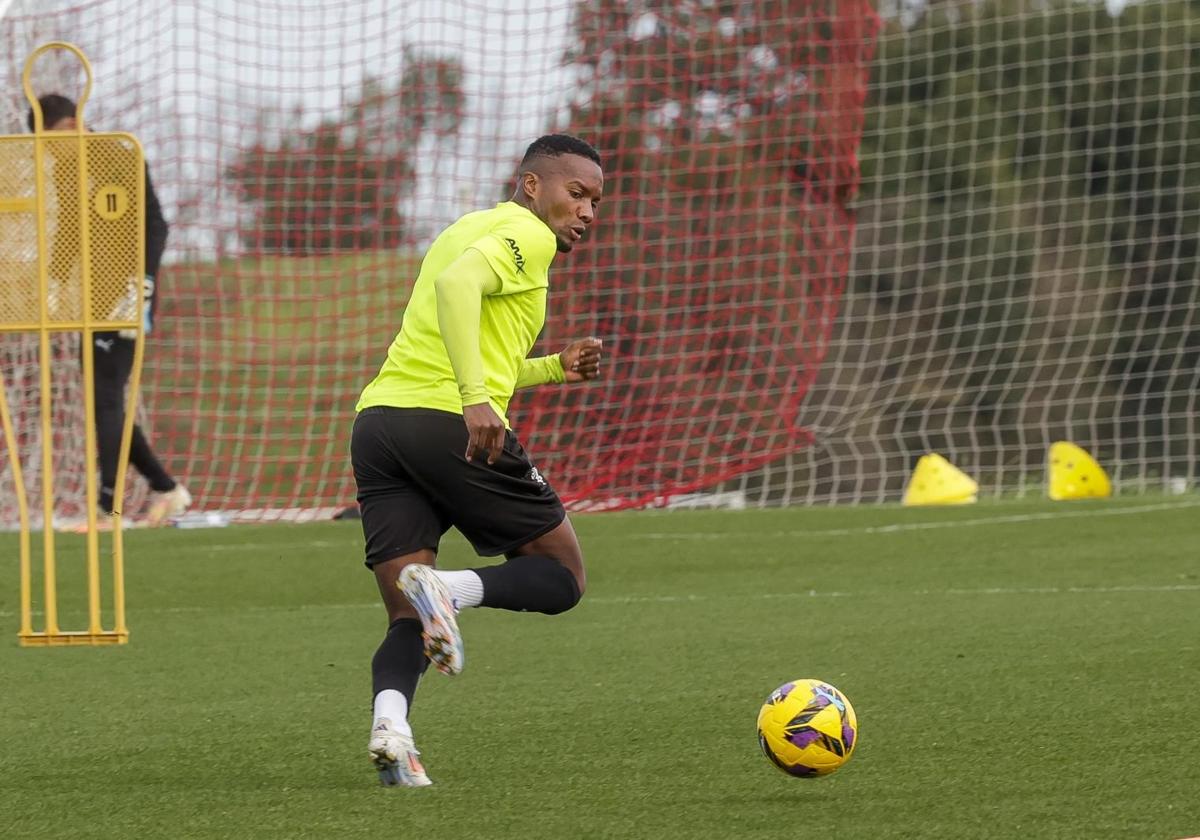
<point>620,600</point>
<point>813,593</point>
<point>900,527</point>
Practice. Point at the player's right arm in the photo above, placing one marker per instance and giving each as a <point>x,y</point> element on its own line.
<point>460,290</point>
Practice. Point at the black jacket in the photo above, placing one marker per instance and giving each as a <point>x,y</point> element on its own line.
<point>156,243</point>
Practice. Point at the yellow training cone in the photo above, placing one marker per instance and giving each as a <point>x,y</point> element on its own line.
<point>1074,474</point>
<point>936,481</point>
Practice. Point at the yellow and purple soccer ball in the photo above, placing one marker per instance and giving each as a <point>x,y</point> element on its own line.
<point>807,728</point>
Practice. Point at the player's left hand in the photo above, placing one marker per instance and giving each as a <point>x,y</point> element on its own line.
<point>581,359</point>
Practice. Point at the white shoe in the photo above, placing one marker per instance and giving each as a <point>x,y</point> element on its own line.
<point>395,757</point>
<point>431,599</point>
<point>168,505</point>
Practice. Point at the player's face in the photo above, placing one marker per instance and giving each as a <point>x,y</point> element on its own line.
<point>566,197</point>
<point>62,124</point>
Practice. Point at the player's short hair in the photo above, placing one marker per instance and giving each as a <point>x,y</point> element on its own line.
<point>54,108</point>
<point>555,145</point>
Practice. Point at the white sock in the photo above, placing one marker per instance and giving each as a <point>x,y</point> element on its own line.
<point>391,704</point>
<point>465,587</point>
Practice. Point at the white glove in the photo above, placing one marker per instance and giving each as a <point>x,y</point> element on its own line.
<point>126,309</point>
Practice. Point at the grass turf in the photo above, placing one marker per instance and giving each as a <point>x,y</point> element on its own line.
<point>1019,670</point>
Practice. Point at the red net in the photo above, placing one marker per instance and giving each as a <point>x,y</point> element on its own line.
<point>715,271</point>
<point>305,154</point>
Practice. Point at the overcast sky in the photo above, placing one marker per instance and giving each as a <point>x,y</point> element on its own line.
<point>187,76</point>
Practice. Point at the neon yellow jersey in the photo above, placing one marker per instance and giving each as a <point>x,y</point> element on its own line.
<point>417,373</point>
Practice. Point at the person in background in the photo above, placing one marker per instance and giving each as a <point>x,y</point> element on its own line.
<point>113,356</point>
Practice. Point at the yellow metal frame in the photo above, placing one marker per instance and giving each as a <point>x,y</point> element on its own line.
<point>52,634</point>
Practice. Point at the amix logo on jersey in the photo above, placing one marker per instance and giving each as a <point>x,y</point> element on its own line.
<point>520,261</point>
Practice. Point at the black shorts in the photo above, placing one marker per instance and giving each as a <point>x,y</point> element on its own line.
<point>414,484</point>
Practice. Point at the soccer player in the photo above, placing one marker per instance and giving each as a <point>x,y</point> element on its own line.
<point>113,351</point>
<point>431,446</point>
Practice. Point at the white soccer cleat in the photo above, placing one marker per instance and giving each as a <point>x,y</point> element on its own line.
<point>395,757</point>
<point>431,599</point>
<point>168,505</point>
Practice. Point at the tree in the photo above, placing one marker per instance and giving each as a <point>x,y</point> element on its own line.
<point>1037,152</point>
<point>337,186</point>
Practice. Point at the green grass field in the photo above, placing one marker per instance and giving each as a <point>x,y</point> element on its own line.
<point>1020,670</point>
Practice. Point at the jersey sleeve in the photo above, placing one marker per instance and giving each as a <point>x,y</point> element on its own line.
<point>520,251</point>
<point>542,370</point>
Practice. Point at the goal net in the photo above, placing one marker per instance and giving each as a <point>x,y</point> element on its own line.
<point>836,235</point>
